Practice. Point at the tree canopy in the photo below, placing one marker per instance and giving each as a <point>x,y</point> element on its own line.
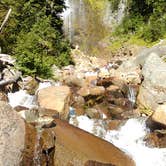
<point>147,18</point>
<point>34,35</point>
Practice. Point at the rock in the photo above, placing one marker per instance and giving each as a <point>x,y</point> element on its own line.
<point>129,72</point>
<point>3,97</point>
<point>93,113</point>
<point>159,115</point>
<point>12,134</point>
<point>74,79</point>
<point>112,88</point>
<point>53,100</point>
<point>114,124</point>
<point>124,103</point>
<point>103,110</point>
<point>48,139</point>
<point>152,140</point>
<point>7,59</point>
<point>91,80</point>
<point>153,89</point>
<point>104,72</point>
<point>78,103</point>
<point>94,90</point>
<point>30,85</point>
<point>142,56</point>
<point>31,142</point>
<point>79,147</point>
<point>48,147</point>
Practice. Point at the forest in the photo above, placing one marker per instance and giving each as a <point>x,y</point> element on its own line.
<point>144,18</point>
<point>34,35</point>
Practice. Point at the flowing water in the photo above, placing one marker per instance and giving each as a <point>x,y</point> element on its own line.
<point>129,138</point>
<point>88,24</point>
<point>23,99</point>
<point>131,95</point>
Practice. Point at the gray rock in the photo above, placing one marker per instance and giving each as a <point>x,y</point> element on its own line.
<point>153,89</point>
<point>160,50</point>
<point>12,133</point>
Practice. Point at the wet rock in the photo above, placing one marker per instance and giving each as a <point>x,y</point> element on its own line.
<point>124,103</point>
<point>153,89</point>
<point>53,100</point>
<point>93,113</point>
<point>157,138</point>
<point>30,85</point>
<point>162,141</point>
<point>115,110</point>
<point>31,142</point>
<point>159,115</point>
<point>48,139</point>
<point>130,114</point>
<point>114,124</point>
<point>12,133</point>
<point>103,110</point>
<point>77,153</point>
<point>94,90</point>
<point>78,101</point>
<point>106,82</point>
<point>20,108</point>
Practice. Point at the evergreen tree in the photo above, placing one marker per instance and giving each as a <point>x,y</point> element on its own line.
<point>34,36</point>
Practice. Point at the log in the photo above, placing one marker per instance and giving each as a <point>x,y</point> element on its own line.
<point>6,19</point>
<point>10,80</point>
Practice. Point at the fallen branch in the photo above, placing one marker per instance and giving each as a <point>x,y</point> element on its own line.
<point>5,20</point>
<point>11,80</point>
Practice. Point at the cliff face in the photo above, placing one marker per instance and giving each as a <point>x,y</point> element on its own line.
<point>88,23</point>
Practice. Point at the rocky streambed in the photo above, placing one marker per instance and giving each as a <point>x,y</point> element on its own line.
<point>98,112</point>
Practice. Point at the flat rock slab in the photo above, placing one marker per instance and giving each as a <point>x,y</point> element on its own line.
<point>53,100</point>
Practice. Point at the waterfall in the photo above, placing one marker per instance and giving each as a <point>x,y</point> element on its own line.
<point>131,95</point>
<point>112,18</point>
<point>88,27</point>
<point>129,138</point>
<point>73,17</point>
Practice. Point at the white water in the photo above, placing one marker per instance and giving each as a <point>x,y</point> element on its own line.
<point>21,98</point>
<point>129,138</point>
<point>73,17</point>
<point>131,95</point>
<point>77,15</point>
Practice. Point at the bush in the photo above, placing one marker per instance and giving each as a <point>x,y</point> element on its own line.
<point>39,49</point>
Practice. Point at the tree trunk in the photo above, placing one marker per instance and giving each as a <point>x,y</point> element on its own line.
<point>6,19</point>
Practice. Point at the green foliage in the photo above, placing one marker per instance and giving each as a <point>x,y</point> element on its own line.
<point>34,36</point>
<point>114,4</point>
<point>145,18</point>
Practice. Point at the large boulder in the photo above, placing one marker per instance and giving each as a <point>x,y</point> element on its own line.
<point>153,89</point>
<point>159,115</point>
<point>79,147</point>
<point>12,133</point>
<point>53,100</point>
